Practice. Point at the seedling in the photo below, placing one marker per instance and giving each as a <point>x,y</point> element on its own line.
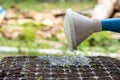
<point>94,65</point>
<point>58,78</point>
<point>40,78</point>
<point>45,64</point>
<point>0,70</point>
<point>7,73</point>
<point>58,68</point>
<point>25,69</point>
<point>26,76</point>
<point>11,66</point>
<point>68,66</point>
<point>15,63</point>
<point>5,61</point>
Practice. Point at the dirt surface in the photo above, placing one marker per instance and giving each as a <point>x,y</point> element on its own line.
<point>36,68</point>
<point>51,23</point>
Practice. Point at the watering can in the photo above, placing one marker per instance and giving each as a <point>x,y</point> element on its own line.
<point>78,27</point>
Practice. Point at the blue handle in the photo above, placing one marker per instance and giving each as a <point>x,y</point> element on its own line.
<point>112,24</point>
<point>2,10</point>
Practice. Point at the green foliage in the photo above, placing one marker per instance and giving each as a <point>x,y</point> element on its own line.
<point>44,45</point>
<point>52,38</point>
<point>18,1</point>
<point>22,43</point>
<point>32,24</point>
<point>101,42</point>
<point>29,30</point>
<point>29,34</point>
<point>35,5</point>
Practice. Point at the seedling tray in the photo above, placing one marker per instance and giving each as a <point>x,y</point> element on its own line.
<point>37,68</point>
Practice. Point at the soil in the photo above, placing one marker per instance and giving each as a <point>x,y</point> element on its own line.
<point>34,68</point>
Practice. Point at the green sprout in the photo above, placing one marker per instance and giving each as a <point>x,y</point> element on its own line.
<point>58,78</point>
<point>40,78</point>
<point>45,64</point>
<point>94,65</point>
<point>68,66</point>
<point>11,66</point>
<point>58,68</point>
<point>0,71</point>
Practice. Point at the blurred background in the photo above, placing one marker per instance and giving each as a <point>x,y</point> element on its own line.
<point>28,27</point>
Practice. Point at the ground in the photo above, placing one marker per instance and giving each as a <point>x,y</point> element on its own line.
<point>43,30</point>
